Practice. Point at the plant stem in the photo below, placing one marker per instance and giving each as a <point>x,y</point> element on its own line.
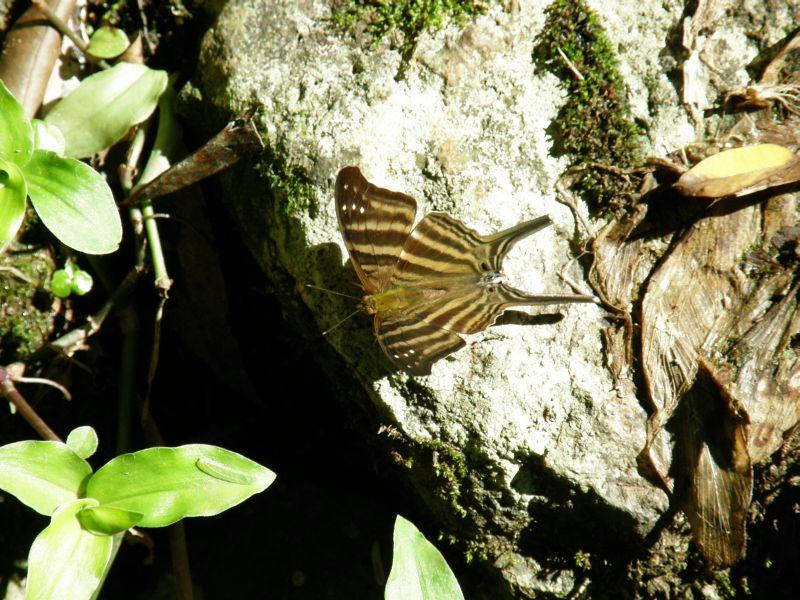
<point>163,281</point>
<point>146,230</point>
<point>26,411</point>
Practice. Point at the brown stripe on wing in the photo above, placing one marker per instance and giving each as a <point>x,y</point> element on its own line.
<point>470,308</point>
<point>375,224</point>
<point>414,345</point>
<point>439,245</point>
<point>443,246</point>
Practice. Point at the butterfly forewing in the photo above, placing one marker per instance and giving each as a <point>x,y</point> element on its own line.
<point>375,223</point>
<point>441,246</point>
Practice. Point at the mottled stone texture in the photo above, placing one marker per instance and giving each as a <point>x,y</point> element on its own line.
<point>522,443</point>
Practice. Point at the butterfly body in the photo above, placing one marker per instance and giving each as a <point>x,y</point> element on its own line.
<point>394,300</point>
<point>426,284</point>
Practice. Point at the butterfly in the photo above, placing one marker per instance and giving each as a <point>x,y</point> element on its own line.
<point>427,284</point>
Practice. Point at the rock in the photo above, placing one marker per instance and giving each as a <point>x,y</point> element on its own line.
<point>523,439</point>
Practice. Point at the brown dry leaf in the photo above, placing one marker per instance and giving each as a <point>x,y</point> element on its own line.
<point>751,412</point>
<point>716,461</point>
<point>623,260</point>
<point>689,302</point>
<point>237,138</point>
<point>741,171</point>
<point>768,379</point>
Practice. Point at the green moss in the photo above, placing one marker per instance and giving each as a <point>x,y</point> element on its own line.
<point>594,124</point>
<point>26,314</point>
<point>450,470</point>
<point>476,551</point>
<point>290,185</point>
<point>409,17</point>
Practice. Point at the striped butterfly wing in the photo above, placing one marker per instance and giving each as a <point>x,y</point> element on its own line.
<point>375,224</point>
<point>456,271</point>
<point>412,344</point>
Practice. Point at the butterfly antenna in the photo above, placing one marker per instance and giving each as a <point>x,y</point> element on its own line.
<point>327,331</point>
<point>321,289</point>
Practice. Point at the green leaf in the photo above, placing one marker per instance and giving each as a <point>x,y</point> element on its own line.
<point>42,475</point>
<point>166,484</point>
<point>13,195</point>
<point>419,571</point>
<point>74,202</point>
<point>107,520</point>
<point>105,106</point>
<point>83,441</point>
<point>47,137</point>
<point>16,133</point>
<point>65,560</point>
<point>108,42</point>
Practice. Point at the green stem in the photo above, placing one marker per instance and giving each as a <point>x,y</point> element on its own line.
<point>163,282</point>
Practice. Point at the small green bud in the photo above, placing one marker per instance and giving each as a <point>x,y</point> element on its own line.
<point>82,282</point>
<point>61,283</point>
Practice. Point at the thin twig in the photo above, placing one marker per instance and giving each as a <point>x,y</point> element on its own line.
<point>43,381</point>
<point>154,353</point>
<point>570,65</point>
<point>18,274</point>
<point>65,29</point>
<point>26,411</point>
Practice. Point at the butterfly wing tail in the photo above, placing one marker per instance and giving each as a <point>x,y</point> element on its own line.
<point>498,245</point>
<point>514,297</point>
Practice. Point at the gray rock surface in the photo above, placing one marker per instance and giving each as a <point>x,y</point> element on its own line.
<point>541,442</point>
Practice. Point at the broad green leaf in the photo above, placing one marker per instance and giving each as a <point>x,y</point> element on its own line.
<point>419,571</point>
<point>13,195</point>
<point>65,560</point>
<point>107,520</point>
<point>42,475</point>
<point>74,202</point>
<point>47,137</point>
<point>168,484</point>
<point>83,441</point>
<point>108,42</point>
<point>105,106</point>
<point>16,133</point>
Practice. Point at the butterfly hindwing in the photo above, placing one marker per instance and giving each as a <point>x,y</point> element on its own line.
<point>469,307</point>
<point>414,345</point>
<point>375,223</point>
